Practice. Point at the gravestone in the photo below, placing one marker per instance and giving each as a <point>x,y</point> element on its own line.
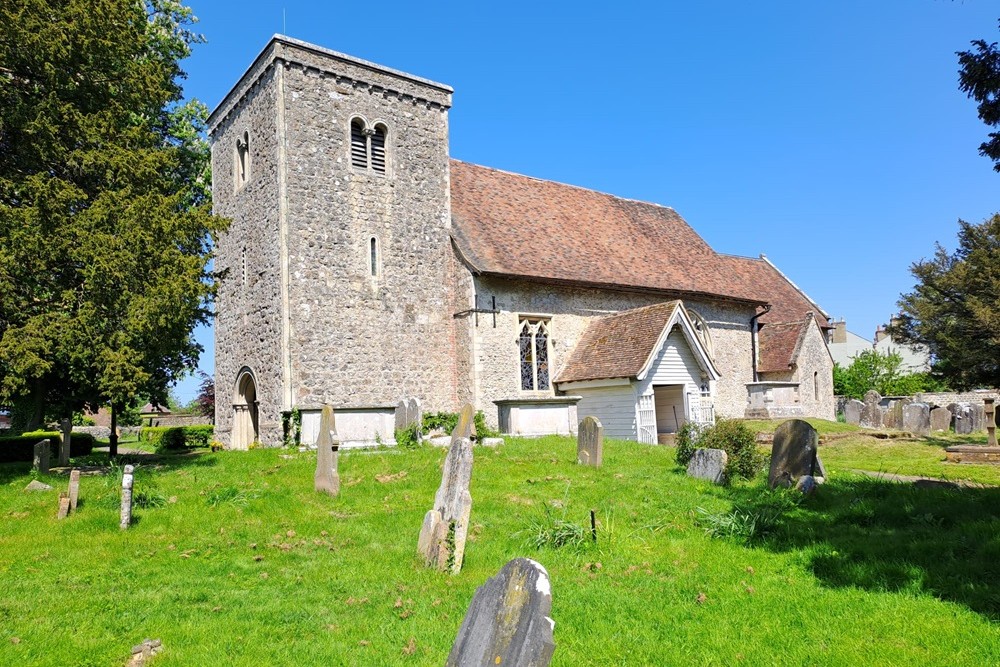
<point>917,418</point>
<point>74,489</point>
<point>466,427</point>
<point>66,426</point>
<point>327,478</point>
<point>401,423</point>
<point>806,485</point>
<point>852,411</point>
<point>894,415</point>
<point>962,414</point>
<point>414,414</point>
<point>871,413</point>
<point>989,418</point>
<point>508,620</point>
<point>126,513</point>
<point>709,464</point>
<point>940,419</point>
<point>978,415</point>
<point>793,453</point>
<point>590,442</point>
<point>35,485</point>
<point>446,525</point>
<point>42,454</point>
<point>63,505</point>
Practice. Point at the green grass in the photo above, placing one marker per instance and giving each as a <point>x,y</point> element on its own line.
<point>245,565</point>
<point>822,426</point>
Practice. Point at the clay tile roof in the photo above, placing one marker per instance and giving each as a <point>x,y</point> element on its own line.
<point>778,345</point>
<point>513,225</point>
<point>617,346</point>
<point>788,303</point>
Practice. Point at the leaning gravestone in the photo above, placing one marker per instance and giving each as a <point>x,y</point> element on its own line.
<point>63,505</point>
<point>327,478</point>
<point>940,419</point>
<point>74,489</point>
<point>466,427</point>
<point>508,620</point>
<point>917,418</point>
<point>793,453</point>
<point>66,426</point>
<point>446,525</point>
<point>709,464</point>
<point>590,442</point>
<point>871,414</point>
<point>852,411</point>
<point>42,455</point>
<point>126,513</point>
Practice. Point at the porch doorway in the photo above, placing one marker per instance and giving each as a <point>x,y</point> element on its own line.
<point>670,403</point>
<point>245,419</point>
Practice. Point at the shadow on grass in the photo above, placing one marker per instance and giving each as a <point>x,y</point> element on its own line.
<point>942,442</point>
<point>886,536</point>
<point>14,472</point>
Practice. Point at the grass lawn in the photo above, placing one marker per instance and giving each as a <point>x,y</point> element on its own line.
<point>236,561</point>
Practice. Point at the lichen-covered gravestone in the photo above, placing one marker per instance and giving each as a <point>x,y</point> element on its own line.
<point>852,411</point>
<point>962,414</point>
<point>709,464</point>
<point>74,489</point>
<point>42,455</point>
<point>917,418</point>
<point>893,417</point>
<point>793,453</point>
<point>63,505</point>
<point>590,442</point>
<point>446,525</point>
<point>126,513</point>
<point>871,413</point>
<point>940,419</point>
<point>327,477</point>
<point>508,622</point>
<point>66,426</point>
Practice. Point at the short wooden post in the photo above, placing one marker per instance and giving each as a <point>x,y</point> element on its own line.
<point>126,497</point>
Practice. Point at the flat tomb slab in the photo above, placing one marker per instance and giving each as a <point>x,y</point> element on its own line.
<point>973,454</point>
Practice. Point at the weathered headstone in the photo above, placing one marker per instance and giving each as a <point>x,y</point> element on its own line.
<point>66,426</point>
<point>400,415</point>
<point>414,414</point>
<point>74,489</point>
<point>508,620</point>
<point>327,478</point>
<point>35,485</point>
<point>126,513</point>
<point>893,417</point>
<point>793,453</point>
<point>978,414</point>
<point>989,417</point>
<point>940,419</point>
<point>63,505</point>
<point>446,525</point>
<point>709,464</point>
<point>466,427</point>
<point>590,442</point>
<point>917,418</point>
<point>852,411</point>
<point>871,413</point>
<point>42,455</point>
<point>962,414</point>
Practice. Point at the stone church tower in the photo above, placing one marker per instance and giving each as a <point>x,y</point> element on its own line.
<point>335,174</point>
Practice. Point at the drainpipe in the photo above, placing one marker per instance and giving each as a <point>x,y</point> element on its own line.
<point>753,339</point>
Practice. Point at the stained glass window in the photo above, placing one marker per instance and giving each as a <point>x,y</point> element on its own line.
<point>533,350</point>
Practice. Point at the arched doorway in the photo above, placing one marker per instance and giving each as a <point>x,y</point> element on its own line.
<point>245,422</point>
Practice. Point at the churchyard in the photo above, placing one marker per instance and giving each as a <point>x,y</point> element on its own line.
<point>236,558</point>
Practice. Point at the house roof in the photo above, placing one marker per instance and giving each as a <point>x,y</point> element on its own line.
<point>788,303</point>
<point>518,226</point>
<point>626,344</point>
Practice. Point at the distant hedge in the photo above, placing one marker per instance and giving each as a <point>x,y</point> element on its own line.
<point>178,437</point>
<point>22,447</point>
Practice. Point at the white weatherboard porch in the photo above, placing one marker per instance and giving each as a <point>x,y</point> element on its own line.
<point>674,387</point>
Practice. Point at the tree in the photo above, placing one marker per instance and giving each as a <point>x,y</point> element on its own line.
<point>204,402</point>
<point>882,372</point>
<point>954,309</point>
<point>979,77</point>
<point>105,222</point>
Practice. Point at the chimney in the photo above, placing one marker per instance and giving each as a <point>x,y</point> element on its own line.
<point>880,334</point>
<point>839,332</point>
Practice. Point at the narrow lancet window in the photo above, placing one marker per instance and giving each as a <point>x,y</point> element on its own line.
<point>373,256</point>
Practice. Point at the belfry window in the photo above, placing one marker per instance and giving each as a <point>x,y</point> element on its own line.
<point>533,350</point>
<point>369,146</point>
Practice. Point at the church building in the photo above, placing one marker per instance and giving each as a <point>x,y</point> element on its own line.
<point>363,265</point>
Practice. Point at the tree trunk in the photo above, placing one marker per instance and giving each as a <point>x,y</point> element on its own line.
<point>113,438</point>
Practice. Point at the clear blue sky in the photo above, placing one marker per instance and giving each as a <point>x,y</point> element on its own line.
<point>830,136</point>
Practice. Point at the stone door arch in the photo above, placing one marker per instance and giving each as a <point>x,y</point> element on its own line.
<point>245,416</point>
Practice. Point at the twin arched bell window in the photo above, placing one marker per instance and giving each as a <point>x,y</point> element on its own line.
<point>368,146</point>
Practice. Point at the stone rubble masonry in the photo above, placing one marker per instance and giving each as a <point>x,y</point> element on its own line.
<point>814,373</point>
<point>350,339</point>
